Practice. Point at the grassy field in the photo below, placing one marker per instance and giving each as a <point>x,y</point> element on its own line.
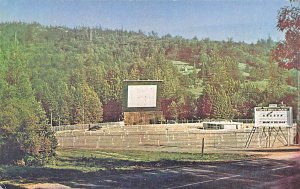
<point>71,165</point>
<point>183,67</point>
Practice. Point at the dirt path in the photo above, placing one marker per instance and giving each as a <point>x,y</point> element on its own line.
<point>291,153</point>
<point>294,156</point>
<point>290,182</point>
<point>44,186</point>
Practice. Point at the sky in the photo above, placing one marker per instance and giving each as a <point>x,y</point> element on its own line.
<point>241,20</point>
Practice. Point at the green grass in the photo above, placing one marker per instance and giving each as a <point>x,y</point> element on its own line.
<point>197,91</point>
<point>260,84</point>
<point>71,164</point>
<point>179,63</point>
<point>92,160</point>
<point>183,67</point>
<point>242,67</point>
<point>148,156</point>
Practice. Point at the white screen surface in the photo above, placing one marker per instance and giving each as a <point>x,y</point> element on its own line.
<point>142,96</point>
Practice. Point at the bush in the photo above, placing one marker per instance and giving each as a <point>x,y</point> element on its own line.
<point>36,147</point>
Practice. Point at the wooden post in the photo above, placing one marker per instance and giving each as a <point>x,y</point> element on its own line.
<point>202,149</point>
<point>214,140</point>
<point>288,136</point>
<point>236,142</point>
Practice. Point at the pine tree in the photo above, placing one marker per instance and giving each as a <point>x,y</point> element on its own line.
<point>22,120</point>
<point>173,110</point>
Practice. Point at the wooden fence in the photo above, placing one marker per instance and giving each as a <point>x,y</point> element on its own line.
<point>175,138</point>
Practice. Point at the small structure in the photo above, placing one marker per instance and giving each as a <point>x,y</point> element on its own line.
<point>269,122</point>
<point>141,102</point>
<point>227,125</point>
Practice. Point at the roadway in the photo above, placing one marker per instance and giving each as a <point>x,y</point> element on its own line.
<point>279,172</point>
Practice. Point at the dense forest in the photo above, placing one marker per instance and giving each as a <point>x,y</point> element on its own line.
<point>75,75</point>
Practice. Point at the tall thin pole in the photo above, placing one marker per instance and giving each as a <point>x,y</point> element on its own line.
<point>298,107</point>
<point>202,148</point>
<point>51,118</point>
<point>83,114</point>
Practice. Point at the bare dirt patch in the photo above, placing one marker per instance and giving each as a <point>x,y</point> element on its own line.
<point>45,186</point>
<point>291,153</point>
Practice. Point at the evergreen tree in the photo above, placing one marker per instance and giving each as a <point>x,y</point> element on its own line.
<point>173,110</point>
<point>24,131</point>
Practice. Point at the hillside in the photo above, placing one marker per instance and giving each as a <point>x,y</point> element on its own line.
<point>74,75</point>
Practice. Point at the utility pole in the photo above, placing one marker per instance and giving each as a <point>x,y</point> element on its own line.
<point>83,114</point>
<point>298,108</point>
<point>51,123</point>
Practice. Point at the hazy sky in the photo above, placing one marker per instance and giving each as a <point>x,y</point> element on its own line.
<point>242,20</point>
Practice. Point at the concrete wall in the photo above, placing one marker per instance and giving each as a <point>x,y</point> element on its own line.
<point>142,118</point>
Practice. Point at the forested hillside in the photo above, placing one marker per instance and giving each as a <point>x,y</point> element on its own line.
<point>76,75</point>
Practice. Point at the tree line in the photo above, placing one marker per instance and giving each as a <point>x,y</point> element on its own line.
<point>52,75</point>
<point>76,75</point>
